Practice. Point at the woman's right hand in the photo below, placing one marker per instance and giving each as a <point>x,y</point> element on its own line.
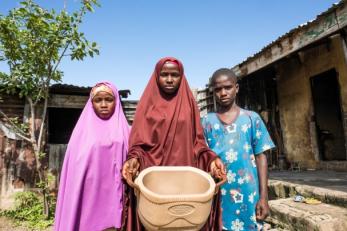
<point>130,169</point>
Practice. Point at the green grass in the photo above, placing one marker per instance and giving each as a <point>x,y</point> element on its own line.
<point>28,211</point>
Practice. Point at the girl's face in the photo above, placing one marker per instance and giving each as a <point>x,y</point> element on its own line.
<point>104,104</point>
<point>169,78</point>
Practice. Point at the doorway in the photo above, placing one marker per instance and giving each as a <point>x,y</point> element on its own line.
<point>328,116</point>
<point>61,122</point>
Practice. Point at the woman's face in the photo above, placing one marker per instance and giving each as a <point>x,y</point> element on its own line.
<point>169,78</point>
<point>104,104</point>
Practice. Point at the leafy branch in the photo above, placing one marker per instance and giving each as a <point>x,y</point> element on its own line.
<point>33,42</point>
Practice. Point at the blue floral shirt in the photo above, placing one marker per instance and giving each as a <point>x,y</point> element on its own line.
<point>237,144</point>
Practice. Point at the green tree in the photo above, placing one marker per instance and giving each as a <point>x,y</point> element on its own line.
<point>33,41</point>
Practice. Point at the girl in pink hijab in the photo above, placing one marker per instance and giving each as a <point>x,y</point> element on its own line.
<point>90,192</point>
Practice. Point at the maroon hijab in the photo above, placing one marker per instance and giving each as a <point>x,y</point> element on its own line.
<point>167,129</point>
<point>167,132</point>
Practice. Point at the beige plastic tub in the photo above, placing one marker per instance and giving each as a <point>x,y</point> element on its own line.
<point>174,198</point>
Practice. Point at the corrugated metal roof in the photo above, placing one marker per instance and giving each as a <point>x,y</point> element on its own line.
<point>69,89</point>
<point>293,31</point>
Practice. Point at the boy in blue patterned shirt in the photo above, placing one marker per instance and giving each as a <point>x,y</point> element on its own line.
<point>239,137</point>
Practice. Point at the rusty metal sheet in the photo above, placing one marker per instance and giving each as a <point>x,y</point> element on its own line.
<point>67,101</point>
<point>324,25</point>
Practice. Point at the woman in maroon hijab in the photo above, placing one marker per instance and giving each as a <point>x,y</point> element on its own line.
<point>167,132</point>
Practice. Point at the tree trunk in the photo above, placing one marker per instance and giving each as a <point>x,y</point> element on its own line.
<point>37,146</point>
<point>46,204</point>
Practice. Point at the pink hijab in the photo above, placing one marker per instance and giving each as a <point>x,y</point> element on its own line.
<point>90,191</point>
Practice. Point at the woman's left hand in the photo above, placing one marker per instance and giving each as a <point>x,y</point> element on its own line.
<point>217,168</point>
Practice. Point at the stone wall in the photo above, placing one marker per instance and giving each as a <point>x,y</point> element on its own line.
<point>295,97</point>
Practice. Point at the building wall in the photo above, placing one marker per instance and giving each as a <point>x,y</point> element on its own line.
<point>204,99</point>
<point>295,98</point>
<point>17,160</point>
<point>342,62</point>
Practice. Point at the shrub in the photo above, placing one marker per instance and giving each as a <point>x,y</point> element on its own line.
<point>28,211</point>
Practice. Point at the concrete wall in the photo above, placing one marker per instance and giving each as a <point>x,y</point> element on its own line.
<point>295,98</point>
<point>343,81</point>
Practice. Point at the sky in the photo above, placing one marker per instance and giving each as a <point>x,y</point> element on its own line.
<point>204,34</point>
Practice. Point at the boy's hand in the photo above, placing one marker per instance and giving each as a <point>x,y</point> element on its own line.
<point>262,209</point>
<point>217,168</point>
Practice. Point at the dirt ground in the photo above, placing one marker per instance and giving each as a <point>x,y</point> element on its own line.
<point>7,225</point>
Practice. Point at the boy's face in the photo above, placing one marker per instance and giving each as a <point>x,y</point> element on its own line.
<point>225,90</point>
